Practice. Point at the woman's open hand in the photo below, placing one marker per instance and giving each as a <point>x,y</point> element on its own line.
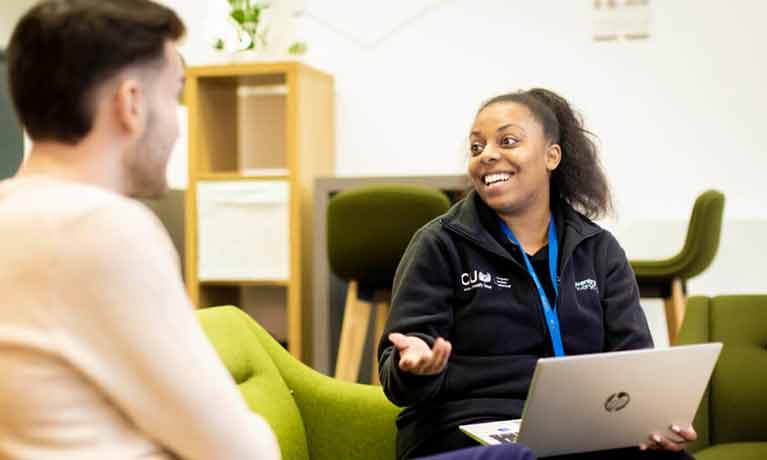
<point>417,358</point>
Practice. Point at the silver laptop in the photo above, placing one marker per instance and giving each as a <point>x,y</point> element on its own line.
<point>604,401</point>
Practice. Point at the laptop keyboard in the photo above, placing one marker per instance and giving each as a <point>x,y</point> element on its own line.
<point>505,438</point>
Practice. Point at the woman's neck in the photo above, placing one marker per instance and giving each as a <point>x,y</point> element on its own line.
<point>530,227</point>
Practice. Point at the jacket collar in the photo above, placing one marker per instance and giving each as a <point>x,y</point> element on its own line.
<point>472,219</point>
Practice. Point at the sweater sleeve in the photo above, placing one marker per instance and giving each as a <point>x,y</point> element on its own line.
<point>625,322</point>
<point>130,328</point>
<point>421,306</point>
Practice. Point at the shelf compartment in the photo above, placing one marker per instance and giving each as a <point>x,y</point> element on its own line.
<point>243,231</point>
<point>243,126</point>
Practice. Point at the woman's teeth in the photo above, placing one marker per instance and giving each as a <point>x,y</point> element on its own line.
<point>497,177</point>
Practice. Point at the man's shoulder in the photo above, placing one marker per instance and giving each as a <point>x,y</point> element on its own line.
<point>60,199</point>
<point>78,211</point>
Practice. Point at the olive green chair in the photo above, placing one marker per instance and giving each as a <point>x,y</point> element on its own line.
<point>732,418</point>
<point>667,278</point>
<point>368,231</point>
<point>315,417</point>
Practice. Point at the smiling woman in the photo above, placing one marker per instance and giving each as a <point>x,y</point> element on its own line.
<point>514,272</point>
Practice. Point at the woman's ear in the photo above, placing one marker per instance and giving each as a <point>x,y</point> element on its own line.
<point>553,157</point>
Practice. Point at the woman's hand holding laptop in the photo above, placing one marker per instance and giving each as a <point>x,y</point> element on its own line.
<point>656,441</point>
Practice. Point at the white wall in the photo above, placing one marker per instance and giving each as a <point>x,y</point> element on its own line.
<point>681,111</point>
<point>10,12</point>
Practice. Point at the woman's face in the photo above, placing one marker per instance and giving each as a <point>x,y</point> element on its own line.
<point>511,160</point>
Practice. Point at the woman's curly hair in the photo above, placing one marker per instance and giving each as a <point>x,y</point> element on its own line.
<point>579,179</point>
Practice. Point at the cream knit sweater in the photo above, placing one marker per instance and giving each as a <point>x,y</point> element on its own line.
<point>101,355</point>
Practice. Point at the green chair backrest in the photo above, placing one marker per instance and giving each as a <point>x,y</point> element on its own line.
<point>703,233</point>
<point>369,229</point>
<point>258,378</point>
<point>735,409</point>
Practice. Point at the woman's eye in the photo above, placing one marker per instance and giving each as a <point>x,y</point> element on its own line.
<point>476,148</point>
<point>508,141</point>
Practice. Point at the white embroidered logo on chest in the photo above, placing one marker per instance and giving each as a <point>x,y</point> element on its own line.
<point>586,285</point>
<point>481,280</point>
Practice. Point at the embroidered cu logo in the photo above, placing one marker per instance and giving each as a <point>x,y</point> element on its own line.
<point>476,279</point>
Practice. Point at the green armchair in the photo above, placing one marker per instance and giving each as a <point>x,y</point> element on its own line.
<point>314,416</point>
<point>732,419</point>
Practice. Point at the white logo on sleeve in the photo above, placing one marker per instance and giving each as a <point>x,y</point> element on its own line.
<point>476,279</point>
<point>586,285</point>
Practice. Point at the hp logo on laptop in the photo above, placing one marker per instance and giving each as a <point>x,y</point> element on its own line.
<point>617,401</point>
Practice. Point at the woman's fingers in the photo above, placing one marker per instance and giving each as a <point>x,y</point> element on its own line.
<point>438,356</point>
<point>399,340</point>
<point>673,443</point>
<point>687,434</point>
<point>414,358</point>
<point>441,353</point>
<point>444,348</point>
<point>660,442</point>
<point>409,360</point>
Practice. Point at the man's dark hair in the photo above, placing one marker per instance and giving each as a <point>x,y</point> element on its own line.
<point>62,50</point>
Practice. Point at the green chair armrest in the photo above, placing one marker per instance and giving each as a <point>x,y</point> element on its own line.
<point>342,420</point>
<point>696,329</point>
<point>346,420</point>
<point>734,451</point>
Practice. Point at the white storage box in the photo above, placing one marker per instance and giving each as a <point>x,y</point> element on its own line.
<point>243,230</point>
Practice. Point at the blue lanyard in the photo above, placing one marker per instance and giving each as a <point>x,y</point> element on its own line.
<point>552,321</point>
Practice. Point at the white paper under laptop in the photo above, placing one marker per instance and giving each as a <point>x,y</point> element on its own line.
<point>604,401</point>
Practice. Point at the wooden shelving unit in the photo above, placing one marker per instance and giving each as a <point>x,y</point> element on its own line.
<point>262,123</point>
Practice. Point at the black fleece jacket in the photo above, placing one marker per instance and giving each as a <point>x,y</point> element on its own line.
<point>461,279</point>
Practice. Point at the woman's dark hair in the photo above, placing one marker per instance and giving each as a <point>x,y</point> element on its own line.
<point>61,50</point>
<point>579,179</point>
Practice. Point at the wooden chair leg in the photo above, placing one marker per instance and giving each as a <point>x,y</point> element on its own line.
<point>382,313</point>
<point>353,333</point>
<point>675,305</point>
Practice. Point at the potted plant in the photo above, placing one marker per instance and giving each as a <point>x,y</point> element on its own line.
<point>247,19</point>
<point>247,15</point>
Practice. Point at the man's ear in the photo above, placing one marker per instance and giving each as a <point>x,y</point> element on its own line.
<point>130,107</point>
<point>553,157</point>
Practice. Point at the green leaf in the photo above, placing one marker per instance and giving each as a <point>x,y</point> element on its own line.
<point>297,48</point>
<point>238,15</point>
<point>253,16</point>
